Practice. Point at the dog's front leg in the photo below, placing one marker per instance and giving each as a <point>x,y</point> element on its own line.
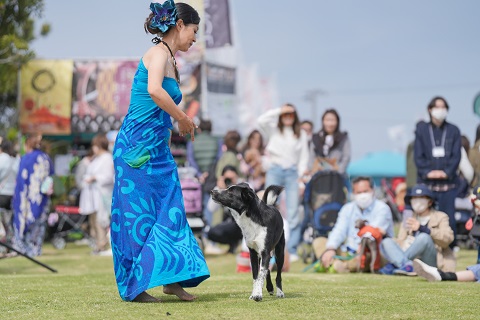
<point>258,283</point>
<point>254,262</point>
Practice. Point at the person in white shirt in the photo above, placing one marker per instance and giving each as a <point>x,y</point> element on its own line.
<point>285,162</point>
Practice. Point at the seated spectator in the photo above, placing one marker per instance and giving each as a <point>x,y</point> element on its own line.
<point>425,234</point>
<point>434,274</point>
<point>226,232</point>
<point>344,236</point>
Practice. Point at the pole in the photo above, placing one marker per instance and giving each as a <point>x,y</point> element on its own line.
<point>29,258</point>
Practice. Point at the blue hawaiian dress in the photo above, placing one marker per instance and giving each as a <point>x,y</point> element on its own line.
<point>152,242</point>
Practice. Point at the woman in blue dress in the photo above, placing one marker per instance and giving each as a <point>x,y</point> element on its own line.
<point>152,243</point>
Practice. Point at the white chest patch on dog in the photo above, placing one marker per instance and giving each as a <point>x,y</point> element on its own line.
<point>253,233</point>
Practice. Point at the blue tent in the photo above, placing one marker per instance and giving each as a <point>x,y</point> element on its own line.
<point>383,164</point>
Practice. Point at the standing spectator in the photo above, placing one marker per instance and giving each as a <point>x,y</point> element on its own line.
<point>203,156</point>
<point>96,195</point>
<point>331,146</point>
<point>251,165</point>
<point>307,127</point>
<point>286,162</point>
<point>205,151</point>
<point>8,173</point>
<point>466,171</point>
<point>231,155</point>
<point>31,197</point>
<point>425,234</point>
<point>437,153</point>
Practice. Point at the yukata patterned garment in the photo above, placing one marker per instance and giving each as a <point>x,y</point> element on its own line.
<point>152,243</point>
<point>30,205</point>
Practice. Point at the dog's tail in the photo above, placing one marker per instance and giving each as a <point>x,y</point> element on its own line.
<point>271,194</point>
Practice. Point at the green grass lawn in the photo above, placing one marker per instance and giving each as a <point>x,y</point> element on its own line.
<point>84,288</point>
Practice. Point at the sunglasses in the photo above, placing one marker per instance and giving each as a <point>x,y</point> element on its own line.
<point>292,114</point>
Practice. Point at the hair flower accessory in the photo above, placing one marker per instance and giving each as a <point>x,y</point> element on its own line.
<point>165,15</point>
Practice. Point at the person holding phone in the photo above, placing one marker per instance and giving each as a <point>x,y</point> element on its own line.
<point>425,234</point>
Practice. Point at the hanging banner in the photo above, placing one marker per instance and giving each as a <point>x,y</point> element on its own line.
<point>221,98</point>
<point>46,97</point>
<point>217,23</point>
<point>101,94</point>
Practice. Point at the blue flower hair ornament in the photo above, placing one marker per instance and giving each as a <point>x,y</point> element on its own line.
<point>164,15</point>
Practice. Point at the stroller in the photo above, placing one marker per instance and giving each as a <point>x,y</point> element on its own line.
<point>324,196</point>
<point>68,225</point>
<point>192,198</point>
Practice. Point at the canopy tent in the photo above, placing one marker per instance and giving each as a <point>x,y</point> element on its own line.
<point>383,164</point>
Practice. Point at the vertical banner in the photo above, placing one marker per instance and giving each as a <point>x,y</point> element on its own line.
<point>101,94</point>
<point>46,96</point>
<point>221,98</point>
<point>217,24</point>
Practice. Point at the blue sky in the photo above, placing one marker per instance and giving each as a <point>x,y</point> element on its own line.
<point>377,62</point>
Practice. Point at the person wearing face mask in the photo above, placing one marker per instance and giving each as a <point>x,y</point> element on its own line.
<point>344,235</point>
<point>437,154</point>
<point>425,234</point>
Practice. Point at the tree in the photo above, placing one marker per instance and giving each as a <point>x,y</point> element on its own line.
<point>17,31</point>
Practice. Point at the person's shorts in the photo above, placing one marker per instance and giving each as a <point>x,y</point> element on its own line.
<point>476,271</point>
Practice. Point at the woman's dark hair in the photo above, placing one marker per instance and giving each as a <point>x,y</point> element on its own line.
<point>296,122</point>
<point>185,12</point>
<point>432,102</point>
<point>335,114</point>
<point>465,143</point>
<point>229,168</point>
<point>250,137</point>
<point>101,141</point>
<point>7,147</point>
<point>477,134</point>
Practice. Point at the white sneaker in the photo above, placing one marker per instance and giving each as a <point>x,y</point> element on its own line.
<point>212,249</point>
<point>106,253</point>
<point>425,271</point>
<point>294,258</point>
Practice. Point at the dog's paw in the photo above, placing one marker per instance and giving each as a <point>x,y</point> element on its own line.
<point>271,292</point>
<point>280,293</point>
<point>256,298</point>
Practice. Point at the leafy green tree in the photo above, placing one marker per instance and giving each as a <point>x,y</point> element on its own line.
<point>17,31</point>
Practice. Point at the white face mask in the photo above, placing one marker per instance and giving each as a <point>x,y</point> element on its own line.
<point>364,199</point>
<point>439,113</point>
<point>419,205</point>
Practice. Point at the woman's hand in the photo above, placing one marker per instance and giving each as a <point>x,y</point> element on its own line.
<point>412,224</point>
<point>186,126</point>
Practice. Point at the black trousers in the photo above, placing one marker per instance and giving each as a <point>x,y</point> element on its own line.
<point>226,232</point>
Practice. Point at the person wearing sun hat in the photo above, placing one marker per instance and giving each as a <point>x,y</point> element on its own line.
<point>425,233</point>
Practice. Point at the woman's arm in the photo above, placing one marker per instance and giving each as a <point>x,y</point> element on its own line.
<point>155,61</point>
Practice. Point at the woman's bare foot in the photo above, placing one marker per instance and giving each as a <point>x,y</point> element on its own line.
<point>146,298</point>
<point>177,290</point>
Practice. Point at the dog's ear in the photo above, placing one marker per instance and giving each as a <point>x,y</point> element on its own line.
<point>247,195</point>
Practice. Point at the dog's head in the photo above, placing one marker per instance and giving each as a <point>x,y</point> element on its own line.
<point>238,197</point>
<point>360,223</point>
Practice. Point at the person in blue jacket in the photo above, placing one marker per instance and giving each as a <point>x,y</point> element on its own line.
<point>437,156</point>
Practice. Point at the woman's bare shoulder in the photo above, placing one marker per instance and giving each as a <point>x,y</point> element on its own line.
<point>154,55</point>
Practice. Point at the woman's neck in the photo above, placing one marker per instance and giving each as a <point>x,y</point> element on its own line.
<point>171,44</point>
<point>436,122</point>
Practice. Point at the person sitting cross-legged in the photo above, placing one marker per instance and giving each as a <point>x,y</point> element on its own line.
<point>345,234</point>
<point>425,233</point>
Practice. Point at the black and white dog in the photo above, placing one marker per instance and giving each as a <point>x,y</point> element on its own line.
<point>262,228</point>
